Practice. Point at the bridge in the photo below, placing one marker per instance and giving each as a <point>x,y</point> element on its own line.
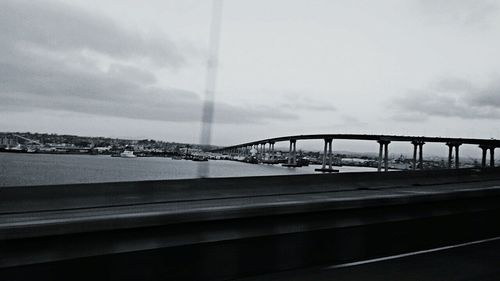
<point>383,140</point>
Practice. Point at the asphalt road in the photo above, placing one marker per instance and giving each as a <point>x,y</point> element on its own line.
<point>478,261</point>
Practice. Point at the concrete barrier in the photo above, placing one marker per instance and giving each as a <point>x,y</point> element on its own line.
<point>237,227</point>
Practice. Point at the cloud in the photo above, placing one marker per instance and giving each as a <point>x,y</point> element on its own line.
<point>59,58</point>
<point>451,97</point>
<point>463,12</point>
<point>293,101</point>
<point>346,122</point>
<point>60,27</point>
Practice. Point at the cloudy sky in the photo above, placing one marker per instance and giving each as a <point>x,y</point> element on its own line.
<point>126,68</point>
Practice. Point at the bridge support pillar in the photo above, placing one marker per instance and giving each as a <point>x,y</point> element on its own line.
<point>485,152</point>
<point>330,156</point>
<point>327,152</point>
<point>327,159</point>
<point>271,151</point>
<point>380,151</point>
<point>384,148</point>
<point>483,158</point>
<point>452,145</point>
<point>418,145</point>
<point>264,154</point>
<point>386,156</point>
<point>450,155</point>
<point>324,155</point>
<point>492,157</point>
<point>262,151</point>
<point>421,154</point>
<point>414,162</point>
<point>292,153</point>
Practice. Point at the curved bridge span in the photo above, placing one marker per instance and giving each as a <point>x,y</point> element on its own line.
<point>383,140</point>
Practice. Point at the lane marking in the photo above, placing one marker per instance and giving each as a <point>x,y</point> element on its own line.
<point>411,254</point>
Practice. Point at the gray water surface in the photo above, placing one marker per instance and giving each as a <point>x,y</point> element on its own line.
<point>43,169</point>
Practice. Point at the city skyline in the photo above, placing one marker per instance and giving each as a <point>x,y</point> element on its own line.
<point>398,149</point>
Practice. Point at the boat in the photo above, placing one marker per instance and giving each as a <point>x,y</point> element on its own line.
<point>199,158</point>
<point>128,154</point>
<point>16,149</point>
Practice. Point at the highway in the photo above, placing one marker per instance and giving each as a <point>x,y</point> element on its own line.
<point>228,228</point>
<point>474,261</point>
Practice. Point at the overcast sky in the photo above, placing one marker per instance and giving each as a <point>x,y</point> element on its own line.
<point>127,68</point>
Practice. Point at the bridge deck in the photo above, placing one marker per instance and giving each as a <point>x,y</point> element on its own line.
<point>401,138</point>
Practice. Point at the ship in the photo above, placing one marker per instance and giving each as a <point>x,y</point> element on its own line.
<point>199,158</point>
<point>127,154</point>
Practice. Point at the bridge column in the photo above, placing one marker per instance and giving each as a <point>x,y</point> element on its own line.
<point>415,149</point>
<point>330,156</point>
<point>291,152</point>
<point>324,154</point>
<point>492,157</point>
<point>483,158</point>
<point>380,150</point>
<point>384,147</point>
<point>263,151</point>
<point>414,162</point>
<point>274,152</point>
<point>418,144</point>
<point>271,150</point>
<point>386,156</point>
<point>450,154</point>
<point>452,145</point>
<point>421,154</point>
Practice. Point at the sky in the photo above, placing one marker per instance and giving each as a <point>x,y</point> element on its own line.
<point>136,69</point>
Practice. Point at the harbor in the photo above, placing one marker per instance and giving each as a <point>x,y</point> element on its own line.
<point>36,143</point>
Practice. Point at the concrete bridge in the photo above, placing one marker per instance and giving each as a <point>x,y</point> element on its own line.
<point>383,140</point>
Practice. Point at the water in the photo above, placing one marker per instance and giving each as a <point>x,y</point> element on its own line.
<point>42,169</point>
